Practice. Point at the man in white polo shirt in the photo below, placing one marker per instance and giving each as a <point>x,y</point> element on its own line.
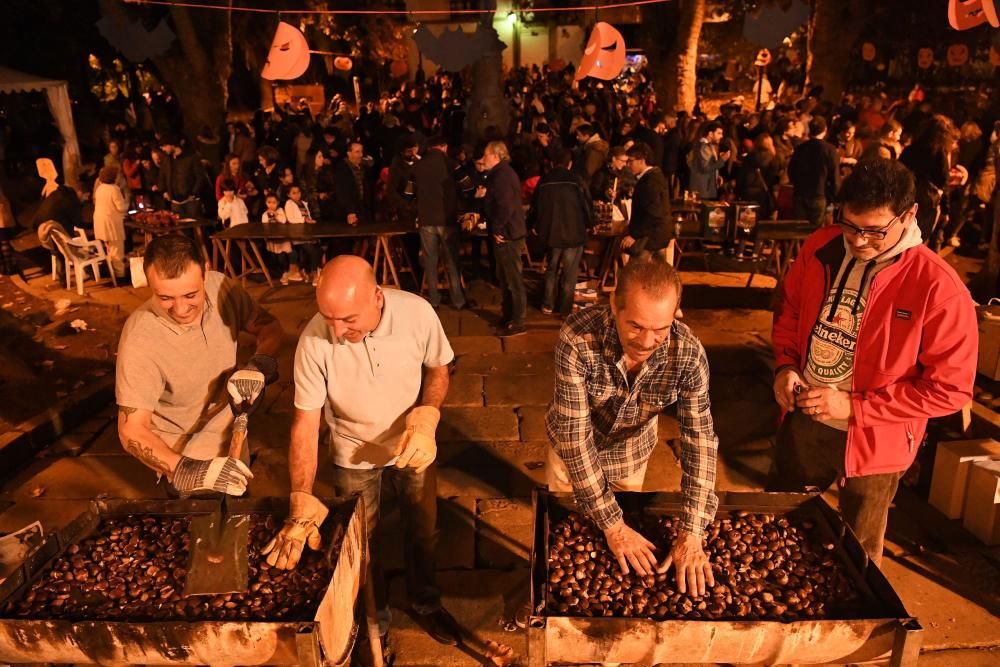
<point>374,364</point>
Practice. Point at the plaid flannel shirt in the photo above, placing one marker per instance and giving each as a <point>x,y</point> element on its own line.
<point>605,430</point>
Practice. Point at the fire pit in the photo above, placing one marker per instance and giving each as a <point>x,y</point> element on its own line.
<point>108,588</point>
<point>792,586</point>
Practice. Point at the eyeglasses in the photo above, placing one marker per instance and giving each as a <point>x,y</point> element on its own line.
<point>873,234</point>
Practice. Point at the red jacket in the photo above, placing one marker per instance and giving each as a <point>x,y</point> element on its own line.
<point>916,347</point>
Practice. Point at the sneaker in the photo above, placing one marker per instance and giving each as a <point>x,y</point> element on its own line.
<point>284,278</point>
<point>954,242</point>
<point>295,277</point>
<point>315,280</point>
<point>511,329</point>
<point>304,276</point>
<point>546,310</point>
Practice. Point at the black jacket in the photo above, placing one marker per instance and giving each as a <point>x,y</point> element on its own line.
<point>814,169</point>
<point>502,206</point>
<point>437,193</point>
<point>651,210</point>
<point>349,199</point>
<point>179,175</point>
<point>562,211</point>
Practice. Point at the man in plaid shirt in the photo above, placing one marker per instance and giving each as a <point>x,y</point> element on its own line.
<point>616,369</point>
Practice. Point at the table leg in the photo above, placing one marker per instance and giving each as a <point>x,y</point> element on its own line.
<point>200,237</point>
<point>227,267</point>
<point>261,264</point>
<point>385,240</point>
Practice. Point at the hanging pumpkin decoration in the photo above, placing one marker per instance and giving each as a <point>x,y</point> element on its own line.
<point>925,58</point>
<point>343,63</point>
<point>289,54</point>
<point>966,14</point>
<point>958,54</point>
<point>868,52</point>
<point>604,56</point>
<point>399,68</point>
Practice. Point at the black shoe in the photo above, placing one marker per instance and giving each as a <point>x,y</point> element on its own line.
<point>509,330</point>
<point>441,625</point>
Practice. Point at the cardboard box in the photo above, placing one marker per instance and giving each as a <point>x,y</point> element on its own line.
<point>988,363</point>
<point>982,502</point>
<point>951,472</point>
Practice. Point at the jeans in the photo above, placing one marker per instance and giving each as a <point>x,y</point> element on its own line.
<point>417,495</point>
<point>515,299</point>
<point>812,454</point>
<point>812,209</point>
<point>566,260</point>
<point>446,239</point>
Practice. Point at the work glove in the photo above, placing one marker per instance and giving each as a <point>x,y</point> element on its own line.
<point>246,386</point>
<point>306,514</point>
<point>223,474</point>
<point>417,447</point>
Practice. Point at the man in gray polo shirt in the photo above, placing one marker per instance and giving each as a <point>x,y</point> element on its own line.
<point>176,355</point>
<point>374,365</point>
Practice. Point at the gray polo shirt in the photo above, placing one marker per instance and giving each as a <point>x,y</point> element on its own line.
<point>366,388</point>
<point>180,372</point>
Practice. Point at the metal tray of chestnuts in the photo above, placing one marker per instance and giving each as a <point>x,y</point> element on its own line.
<point>792,585</point>
<point>107,589</point>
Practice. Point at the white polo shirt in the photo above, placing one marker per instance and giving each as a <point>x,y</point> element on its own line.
<point>366,388</point>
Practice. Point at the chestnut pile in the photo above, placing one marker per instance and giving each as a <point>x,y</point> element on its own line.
<point>134,568</point>
<point>765,568</point>
<point>156,218</point>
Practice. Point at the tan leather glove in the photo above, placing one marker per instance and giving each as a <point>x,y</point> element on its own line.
<point>417,447</point>
<point>306,514</point>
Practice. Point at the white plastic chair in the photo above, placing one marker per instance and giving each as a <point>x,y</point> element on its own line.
<point>78,254</point>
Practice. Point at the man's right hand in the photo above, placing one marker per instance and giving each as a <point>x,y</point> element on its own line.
<point>629,546</point>
<point>785,383</point>
<point>222,474</point>
<point>306,514</point>
<point>352,218</point>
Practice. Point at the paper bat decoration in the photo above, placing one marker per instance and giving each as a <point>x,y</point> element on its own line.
<point>453,50</point>
<point>133,40</point>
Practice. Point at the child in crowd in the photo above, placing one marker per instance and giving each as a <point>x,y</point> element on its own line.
<point>282,250</point>
<point>309,252</point>
<point>233,212</point>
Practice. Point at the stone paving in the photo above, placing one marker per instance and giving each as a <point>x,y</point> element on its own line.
<point>491,455</point>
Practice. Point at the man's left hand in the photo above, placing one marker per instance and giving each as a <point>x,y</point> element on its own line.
<point>627,242</point>
<point>825,403</point>
<point>417,447</point>
<point>693,569</point>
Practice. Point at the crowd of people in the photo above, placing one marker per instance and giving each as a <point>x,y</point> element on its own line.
<point>567,147</point>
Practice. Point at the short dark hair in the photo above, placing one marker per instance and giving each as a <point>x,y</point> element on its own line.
<point>171,255</point>
<point>562,157</point>
<point>640,151</point>
<point>817,126</point>
<point>269,153</point>
<point>585,128</point>
<point>543,128</point>
<point>878,183</point>
<point>229,185</point>
<point>709,127</point>
<point>652,273</point>
<point>618,152</point>
<point>108,174</point>
<point>438,140</point>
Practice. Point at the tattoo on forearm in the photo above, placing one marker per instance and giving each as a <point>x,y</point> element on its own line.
<point>263,318</point>
<point>126,412</point>
<point>145,454</point>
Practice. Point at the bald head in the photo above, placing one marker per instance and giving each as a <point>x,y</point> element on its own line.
<point>348,298</point>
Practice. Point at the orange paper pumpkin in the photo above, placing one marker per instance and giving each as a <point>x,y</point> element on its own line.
<point>965,14</point>
<point>925,58</point>
<point>604,56</point>
<point>399,68</point>
<point>868,51</point>
<point>343,63</point>
<point>958,55</point>
<point>289,54</point>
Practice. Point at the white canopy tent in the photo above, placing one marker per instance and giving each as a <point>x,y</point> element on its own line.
<point>57,94</point>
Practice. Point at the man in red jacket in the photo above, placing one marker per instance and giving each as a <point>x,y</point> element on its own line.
<point>873,335</point>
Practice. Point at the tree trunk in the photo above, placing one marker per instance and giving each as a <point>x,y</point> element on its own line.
<point>674,61</point>
<point>197,65</point>
<point>834,27</point>
<point>487,105</point>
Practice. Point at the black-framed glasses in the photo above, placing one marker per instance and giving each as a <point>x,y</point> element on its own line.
<point>874,234</point>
